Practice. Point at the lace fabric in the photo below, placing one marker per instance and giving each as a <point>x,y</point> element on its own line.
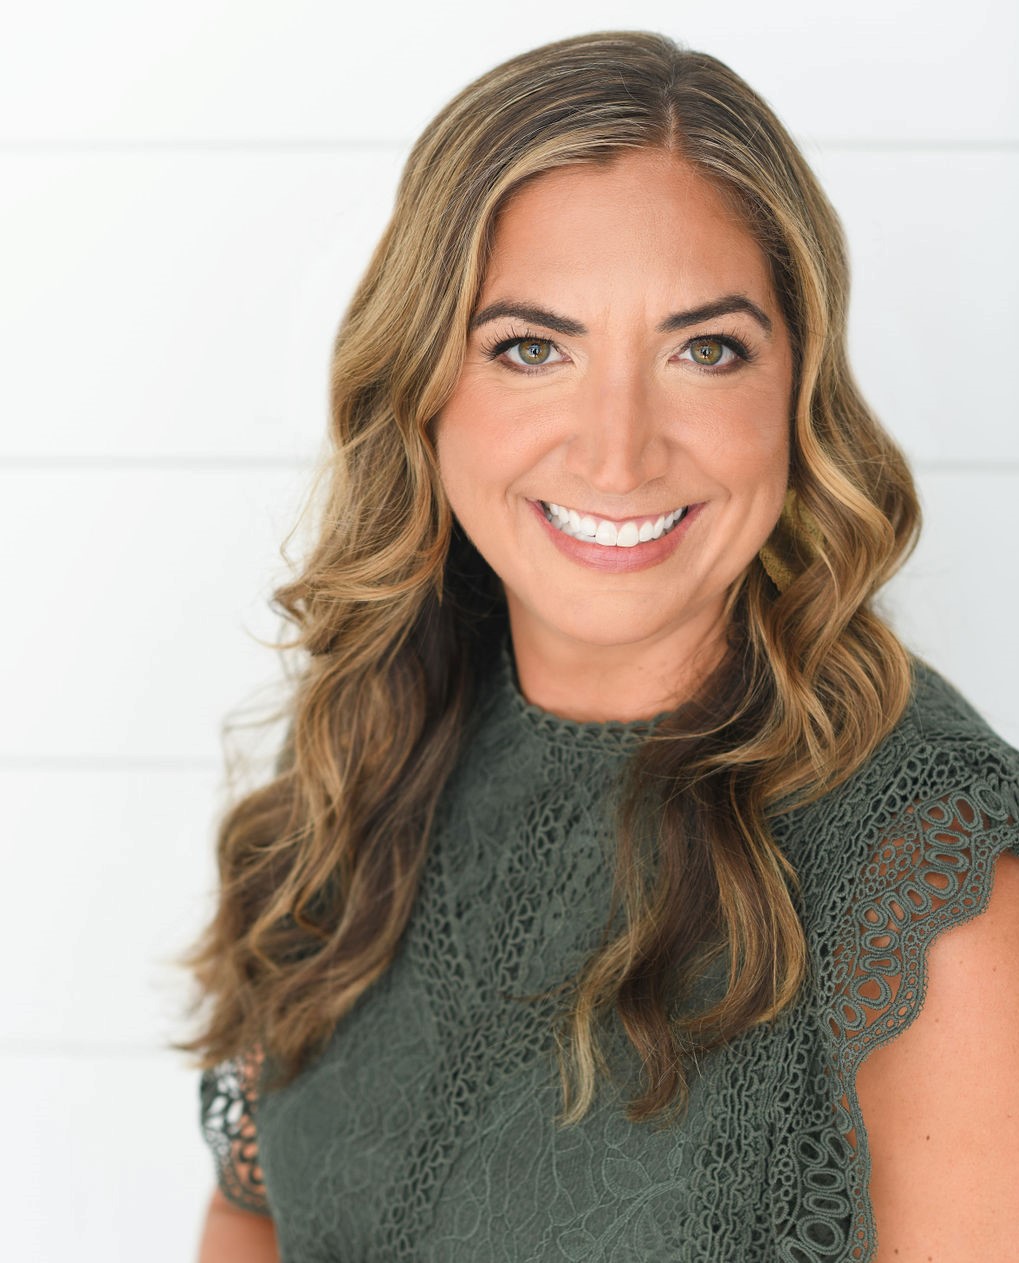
<point>933,869</point>
<point>426,1129</point>
<point>228,1094</point>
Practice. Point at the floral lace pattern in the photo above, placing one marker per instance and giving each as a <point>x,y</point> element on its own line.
<point>228,1123</point>
<point>425,1131</point>
<point>934,871</point>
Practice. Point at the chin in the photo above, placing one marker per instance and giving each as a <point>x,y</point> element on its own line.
<point>599,627</point>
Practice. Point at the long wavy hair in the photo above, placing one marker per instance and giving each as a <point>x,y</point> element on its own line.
<point>396,614</point>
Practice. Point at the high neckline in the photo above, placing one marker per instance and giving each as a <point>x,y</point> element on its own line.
<point>607,734</point>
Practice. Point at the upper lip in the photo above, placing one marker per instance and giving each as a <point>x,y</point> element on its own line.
<point>632,517</point>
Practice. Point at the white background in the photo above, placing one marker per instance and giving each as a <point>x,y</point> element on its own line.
<point>188,194</point>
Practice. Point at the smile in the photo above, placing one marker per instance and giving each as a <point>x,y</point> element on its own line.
<point>594,530</point>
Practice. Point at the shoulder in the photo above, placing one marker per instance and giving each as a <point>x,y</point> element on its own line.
<point>910,900</point>
<point>962,785</point>
<point>939,1102</point>
<point>954,739</point>
<point>940,718</point>
<point>941,781</point>
<point>904,850</point>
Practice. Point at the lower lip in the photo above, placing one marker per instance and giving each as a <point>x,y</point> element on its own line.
<point>617,560</point>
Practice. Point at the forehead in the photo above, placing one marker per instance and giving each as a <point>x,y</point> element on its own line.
<point>647,219</point>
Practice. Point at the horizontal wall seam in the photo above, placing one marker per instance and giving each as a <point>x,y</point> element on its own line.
<point>59,145</point>
<point>100,1050</point>
<point>105,763</point>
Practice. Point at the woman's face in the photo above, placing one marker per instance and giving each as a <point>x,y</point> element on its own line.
<point>627,361</point>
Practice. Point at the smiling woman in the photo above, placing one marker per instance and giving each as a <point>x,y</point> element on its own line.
<point>637,417</point>
<point>608,901</point>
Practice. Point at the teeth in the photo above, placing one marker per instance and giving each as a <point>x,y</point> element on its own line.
<point>599,531</point>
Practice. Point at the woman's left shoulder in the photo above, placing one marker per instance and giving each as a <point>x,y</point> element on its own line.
<point>965,777</point>
<point>939,1104</point>
<point>940,715</point>
<point>956,785</point>
<point>922,993</point>
<point>908,891</point>
<point>905,849</point>
<point>931,808</point>
<point>912,845</point>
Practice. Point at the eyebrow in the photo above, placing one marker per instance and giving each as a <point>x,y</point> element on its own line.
<point>675,320</point>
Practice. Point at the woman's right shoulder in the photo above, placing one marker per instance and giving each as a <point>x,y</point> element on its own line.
<point>229,1094</point>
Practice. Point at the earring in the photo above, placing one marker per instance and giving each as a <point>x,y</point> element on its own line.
<point>795,537</point>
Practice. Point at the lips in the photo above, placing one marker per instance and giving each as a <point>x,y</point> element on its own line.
<point>610,532</point>
<point>605,559</point>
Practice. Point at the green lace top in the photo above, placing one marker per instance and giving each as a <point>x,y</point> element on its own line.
<point>426,1130</point>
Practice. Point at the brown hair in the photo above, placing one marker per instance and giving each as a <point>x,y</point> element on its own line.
<point>395,609</point>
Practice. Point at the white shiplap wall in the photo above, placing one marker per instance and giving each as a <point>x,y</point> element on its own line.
<point>187,196</point>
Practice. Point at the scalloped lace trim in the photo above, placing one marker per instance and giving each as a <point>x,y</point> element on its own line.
<point>926,880</point>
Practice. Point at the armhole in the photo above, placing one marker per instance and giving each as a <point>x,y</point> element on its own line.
<point>935,871</point>
<point>228,1104</point>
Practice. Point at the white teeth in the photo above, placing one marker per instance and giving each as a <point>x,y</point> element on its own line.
<point>600,531</point>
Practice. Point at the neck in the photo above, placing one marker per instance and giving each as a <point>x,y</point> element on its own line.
<point>622,681</point>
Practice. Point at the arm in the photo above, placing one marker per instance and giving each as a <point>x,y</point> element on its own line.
<point>940,1102</point>
<point>238,1227</point>
<point>232,1235</point>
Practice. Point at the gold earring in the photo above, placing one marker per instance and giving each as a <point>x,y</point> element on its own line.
<point>795,537</point>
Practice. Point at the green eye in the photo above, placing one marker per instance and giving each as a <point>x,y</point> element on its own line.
<point>524,353</point>
<point>707,351</point>
<point>535,350</point>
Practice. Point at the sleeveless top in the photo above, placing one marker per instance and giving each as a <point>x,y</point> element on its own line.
<point>426,1129</point>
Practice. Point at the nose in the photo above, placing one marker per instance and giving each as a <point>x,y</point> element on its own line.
<point>617,441</point>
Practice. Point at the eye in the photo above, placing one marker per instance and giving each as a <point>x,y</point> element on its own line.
<point>533,350</point>
<point>708,351</point>
<point>524,354</point>
<point>719,351</point>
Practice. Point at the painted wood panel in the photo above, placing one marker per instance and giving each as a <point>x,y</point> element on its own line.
<point>223,70</point>
<point>181,307</point>
<point>103,1159</point>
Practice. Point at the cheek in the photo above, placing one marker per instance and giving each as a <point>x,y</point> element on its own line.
<point>447,451</point>
<point>763,452</point>
<point>767,419</point>
<point>464,450</point>
<point>485,443</point>
<point>746,442</point>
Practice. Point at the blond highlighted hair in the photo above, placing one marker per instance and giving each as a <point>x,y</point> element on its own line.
<point>396,613</point>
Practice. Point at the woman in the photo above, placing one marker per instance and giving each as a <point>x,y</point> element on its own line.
<point>591,910</point>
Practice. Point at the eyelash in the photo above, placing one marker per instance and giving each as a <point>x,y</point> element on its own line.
<point>492,350</point>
